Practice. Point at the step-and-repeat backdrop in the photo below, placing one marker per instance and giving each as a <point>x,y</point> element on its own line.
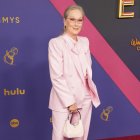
<point>112,27</point>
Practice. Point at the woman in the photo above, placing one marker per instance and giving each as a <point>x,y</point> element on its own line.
<point>71,75</point>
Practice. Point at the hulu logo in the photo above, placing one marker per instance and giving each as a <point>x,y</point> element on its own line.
<point>16,91</point>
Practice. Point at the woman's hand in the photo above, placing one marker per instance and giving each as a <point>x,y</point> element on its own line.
<point>72,108</point>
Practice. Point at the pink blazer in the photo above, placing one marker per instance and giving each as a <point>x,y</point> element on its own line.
<point>66,74</point>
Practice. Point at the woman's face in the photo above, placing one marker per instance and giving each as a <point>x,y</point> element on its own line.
<point>73,22</point>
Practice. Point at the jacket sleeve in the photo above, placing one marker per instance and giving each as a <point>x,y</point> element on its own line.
<point>59,84</point>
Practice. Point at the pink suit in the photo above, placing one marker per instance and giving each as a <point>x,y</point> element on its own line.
<point>70,63</point>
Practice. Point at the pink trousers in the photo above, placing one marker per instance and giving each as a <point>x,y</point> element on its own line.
<point>59,118</point>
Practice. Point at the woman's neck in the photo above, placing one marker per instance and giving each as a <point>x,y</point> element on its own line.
<point>74,37</point>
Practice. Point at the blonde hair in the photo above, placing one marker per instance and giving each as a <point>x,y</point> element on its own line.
<point>73,7</point>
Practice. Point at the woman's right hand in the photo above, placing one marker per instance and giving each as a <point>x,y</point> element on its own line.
<point>73,108</point>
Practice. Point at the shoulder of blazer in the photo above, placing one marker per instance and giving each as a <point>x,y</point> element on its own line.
<point>57,42</point>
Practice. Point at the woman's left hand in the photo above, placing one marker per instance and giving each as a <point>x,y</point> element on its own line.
<point>73,108</point>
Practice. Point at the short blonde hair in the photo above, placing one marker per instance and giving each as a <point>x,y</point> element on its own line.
<point>73,7</point>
